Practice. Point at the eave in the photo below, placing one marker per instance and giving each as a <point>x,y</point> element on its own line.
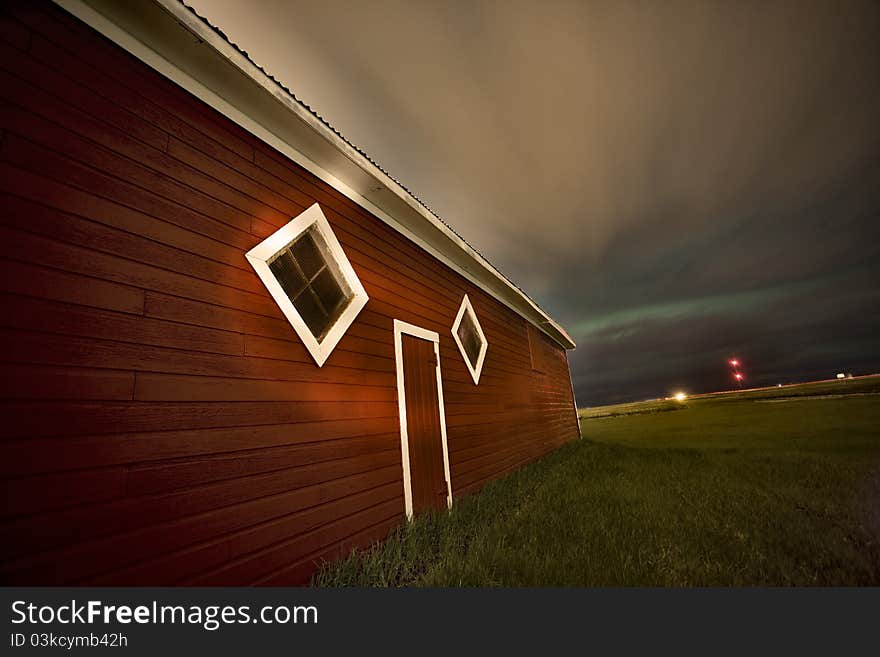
<point>173,40</point>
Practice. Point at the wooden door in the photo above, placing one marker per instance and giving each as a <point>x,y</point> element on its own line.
<point>423,425</point>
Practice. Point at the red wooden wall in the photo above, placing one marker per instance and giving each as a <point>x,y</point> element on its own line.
<point>162,422</point>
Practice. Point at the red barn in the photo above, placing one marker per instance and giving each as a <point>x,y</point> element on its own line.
<point>233,346</point>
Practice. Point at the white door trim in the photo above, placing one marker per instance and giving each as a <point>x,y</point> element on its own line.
<point>401,328</point>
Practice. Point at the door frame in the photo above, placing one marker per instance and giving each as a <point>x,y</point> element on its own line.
<point>401,329</point>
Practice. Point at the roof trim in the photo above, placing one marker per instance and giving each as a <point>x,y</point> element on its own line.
<point>201,59</point>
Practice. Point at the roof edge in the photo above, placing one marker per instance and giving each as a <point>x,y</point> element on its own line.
<point>202,60</point>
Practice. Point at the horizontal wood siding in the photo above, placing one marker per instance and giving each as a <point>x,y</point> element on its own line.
<point>165,424</point>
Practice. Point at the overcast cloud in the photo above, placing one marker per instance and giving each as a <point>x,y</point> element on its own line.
<point>675,182</point>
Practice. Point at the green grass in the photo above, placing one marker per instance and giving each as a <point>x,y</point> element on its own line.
<point>735,490</point>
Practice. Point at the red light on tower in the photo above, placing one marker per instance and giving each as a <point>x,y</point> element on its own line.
<point>737,375</point>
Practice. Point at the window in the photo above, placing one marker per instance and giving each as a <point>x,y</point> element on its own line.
<point>535,348</point>
<point>305,270</point>
<point>317,293</point>
<point>469,337</point>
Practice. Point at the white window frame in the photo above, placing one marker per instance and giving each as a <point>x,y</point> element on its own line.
<point>262,253</point>
<point>401,329</point>
<point>466,307</point>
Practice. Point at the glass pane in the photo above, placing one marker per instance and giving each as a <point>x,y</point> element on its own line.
<point>287,274</point>
<point>329,292</point>
<point>306,252</point>
<point>470,339</point>
<point>312,313</point>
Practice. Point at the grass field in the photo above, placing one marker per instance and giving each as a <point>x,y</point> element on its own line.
<point>774,487</point>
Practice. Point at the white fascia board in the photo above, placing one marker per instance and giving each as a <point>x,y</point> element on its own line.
<point>169,38</point>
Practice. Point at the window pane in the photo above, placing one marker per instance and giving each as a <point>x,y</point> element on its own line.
<point>329,292</point>
<point>470,339</point>
<point>306,252</point>
<point>287,274</point>
<point>318,297</point>
<point>312,313</point>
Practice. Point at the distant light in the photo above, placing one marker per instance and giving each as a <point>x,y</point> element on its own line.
<point>734,363</point>
<point>738,376</point>
<point>778,385</point>
<point>680,396</point>
<point>841,375</point>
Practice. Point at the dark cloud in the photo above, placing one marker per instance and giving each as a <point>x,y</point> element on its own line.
<point>673,181</point>
<point>802,330</point>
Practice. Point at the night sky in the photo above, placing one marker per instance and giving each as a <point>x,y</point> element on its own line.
<point>675,183</point>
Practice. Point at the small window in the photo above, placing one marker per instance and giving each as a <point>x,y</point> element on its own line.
<point>469,337</point>
<point>306,272</point>
<point>318,293</point>
<point>535,351</point>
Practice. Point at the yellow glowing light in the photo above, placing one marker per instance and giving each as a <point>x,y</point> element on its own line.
<point>680,396</point>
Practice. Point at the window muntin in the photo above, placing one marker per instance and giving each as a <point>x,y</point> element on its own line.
<point>309,276</point>
<point>469,337</point>
<point>317,292</point>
